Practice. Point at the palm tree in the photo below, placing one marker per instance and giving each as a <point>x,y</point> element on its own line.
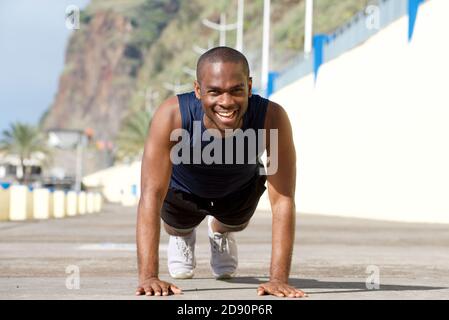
<point>131,138</point>
<point>24,141</point>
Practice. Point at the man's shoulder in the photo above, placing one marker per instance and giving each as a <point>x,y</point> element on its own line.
<point>170,104</point>
<point>275,114</point>
<point>169,111</point>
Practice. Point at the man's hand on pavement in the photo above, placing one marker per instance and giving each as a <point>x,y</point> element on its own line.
<point>280,289</point>
<point>154,286</point>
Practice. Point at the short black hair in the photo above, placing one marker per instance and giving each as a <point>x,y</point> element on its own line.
<point>221,54</point>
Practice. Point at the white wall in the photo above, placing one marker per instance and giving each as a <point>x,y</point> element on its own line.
<point>116,183</point>
<point>372,136</point>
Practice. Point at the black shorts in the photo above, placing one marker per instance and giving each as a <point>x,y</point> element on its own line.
<point>182,210</point>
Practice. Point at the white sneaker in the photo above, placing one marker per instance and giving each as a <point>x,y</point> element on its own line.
<point>181,256</point>
<point>223,253</point>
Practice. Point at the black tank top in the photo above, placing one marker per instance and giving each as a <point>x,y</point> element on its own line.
<point>216,180</point>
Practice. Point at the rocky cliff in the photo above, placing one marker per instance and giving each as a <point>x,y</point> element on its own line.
<point>97,82</point>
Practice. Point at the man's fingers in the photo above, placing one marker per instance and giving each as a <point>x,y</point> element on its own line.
<point>157,289</point>
<point>175,289</point>
<point>263,291</point>
<point>140,291</point>
<point>275,291</point>
<point>280,290</point>
<point>301,293</point>
<point>285,291</point>
<point>289,293</point>
<point>292,292</point>
<point>278,293</point>
<point>164,289</point>
<point>148,291</point>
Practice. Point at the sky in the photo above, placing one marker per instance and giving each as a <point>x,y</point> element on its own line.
<point>33,38</point>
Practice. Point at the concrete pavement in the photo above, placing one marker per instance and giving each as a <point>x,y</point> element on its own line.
<point>333,258</point>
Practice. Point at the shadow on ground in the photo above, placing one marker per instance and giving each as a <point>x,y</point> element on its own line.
<point>304,284</point>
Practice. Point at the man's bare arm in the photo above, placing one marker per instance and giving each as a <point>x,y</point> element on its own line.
<point>281,192</point>
<point>155,176</point>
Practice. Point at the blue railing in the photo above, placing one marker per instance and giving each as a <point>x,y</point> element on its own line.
<point>345,38</point>
<point>5,185</point>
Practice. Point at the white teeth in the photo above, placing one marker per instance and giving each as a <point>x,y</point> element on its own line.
<point>226,114</point>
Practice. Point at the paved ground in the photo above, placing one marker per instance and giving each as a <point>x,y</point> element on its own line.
<point>330,260</point>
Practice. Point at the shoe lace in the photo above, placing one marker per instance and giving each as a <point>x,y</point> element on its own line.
<point>220,243</point>
<point>184,248</point>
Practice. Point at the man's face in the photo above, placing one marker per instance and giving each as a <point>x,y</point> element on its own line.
<point>224,92</point>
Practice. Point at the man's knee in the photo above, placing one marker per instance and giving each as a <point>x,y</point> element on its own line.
<point>223,227</point>
<point>177,232</point>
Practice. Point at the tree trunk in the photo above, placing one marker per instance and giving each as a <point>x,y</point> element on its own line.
<point>22,165</point>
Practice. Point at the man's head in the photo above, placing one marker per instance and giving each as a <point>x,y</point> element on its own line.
<point>223,85</point>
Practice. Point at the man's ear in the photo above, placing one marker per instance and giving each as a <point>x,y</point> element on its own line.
<point>250,86</point>
<point>197,88</point>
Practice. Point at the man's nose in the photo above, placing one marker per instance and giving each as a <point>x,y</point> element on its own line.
<point>226,100</point>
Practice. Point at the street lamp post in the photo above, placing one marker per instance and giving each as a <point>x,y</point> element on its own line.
<point>177,87</point>
<point>70,140</point>
<point>265,45</point>
<point>308,29</point>
<point>240,19</point>
<point>222,27</point>
<point>79,165</point>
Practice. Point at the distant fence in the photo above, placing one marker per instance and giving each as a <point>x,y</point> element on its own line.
<point>18,202</point>
<point>346,37</point>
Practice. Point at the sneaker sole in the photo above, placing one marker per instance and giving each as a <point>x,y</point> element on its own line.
<point>224,276</point>
<point>182,275</point>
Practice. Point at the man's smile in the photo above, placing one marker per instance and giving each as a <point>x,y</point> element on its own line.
<point>227,117</point>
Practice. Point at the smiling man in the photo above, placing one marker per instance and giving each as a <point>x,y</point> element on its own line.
<point>183,193</point>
